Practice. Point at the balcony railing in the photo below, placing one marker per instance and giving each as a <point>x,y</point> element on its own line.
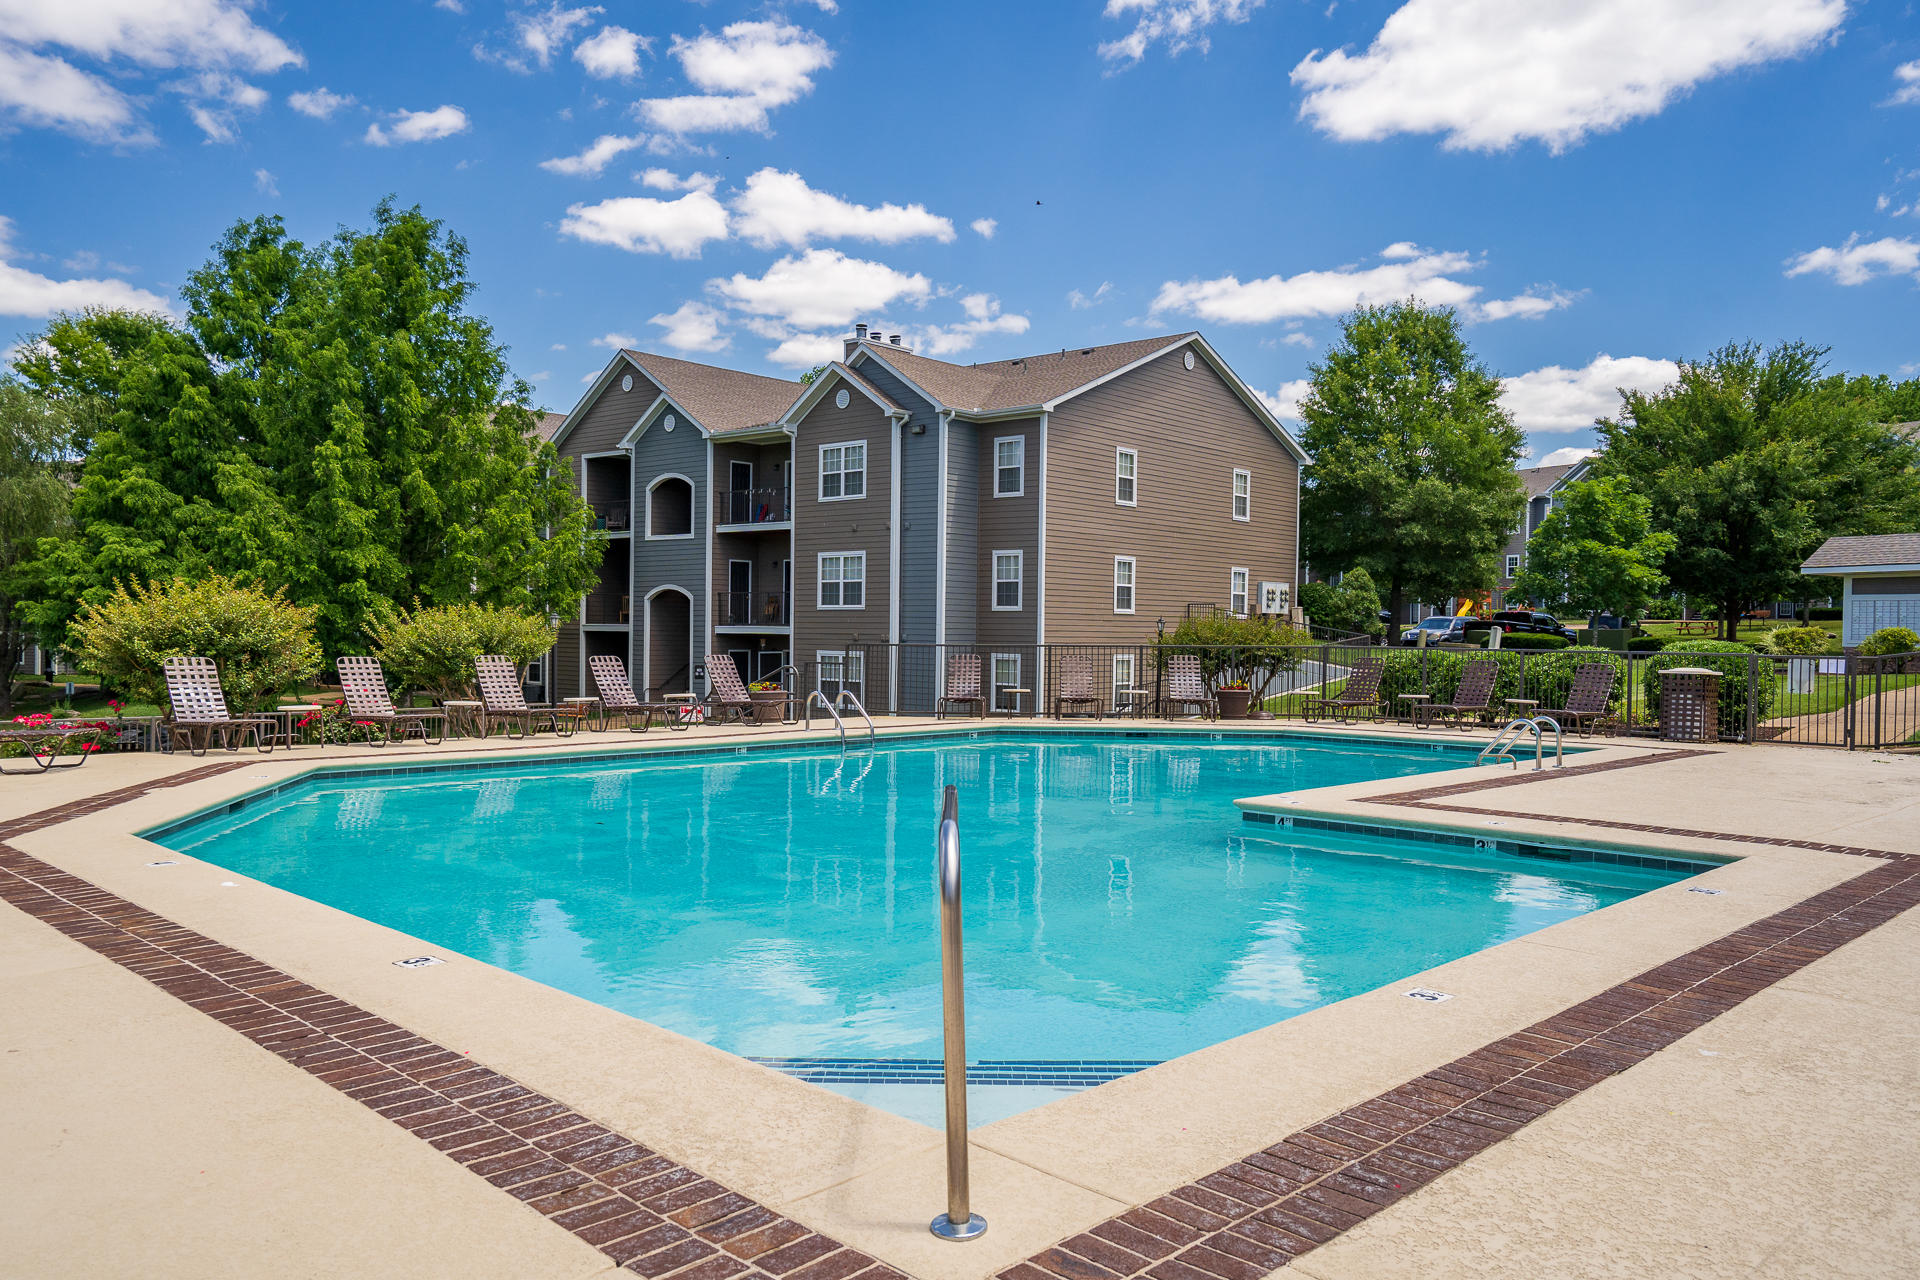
<point>608,607</point>
<point>614,517</point>
<point>753,506</point>
<point>752,609</point>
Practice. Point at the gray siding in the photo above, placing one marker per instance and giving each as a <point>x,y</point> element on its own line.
<point>663,562</point>
<point>1191,431</point>
<point>1007,524</point>
<point>859,524</point>
<point>963,532</point>
<point>919,505</point>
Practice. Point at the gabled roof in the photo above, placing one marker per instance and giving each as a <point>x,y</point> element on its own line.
<point>834,375</point>
<point>1021,383</point>
<point>1538,480</point>
<point>720,400</point>
<point>547,424</point>
<point>1865,551</point>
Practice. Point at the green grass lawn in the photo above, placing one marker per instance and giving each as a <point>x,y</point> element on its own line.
<point>1748,630</point>
<point>1829,693</point>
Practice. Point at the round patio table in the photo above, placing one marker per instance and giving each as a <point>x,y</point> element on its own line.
<point>591,708</point>
<point>466,719</point>
<point>287,711</point>
<point>1414,702</point>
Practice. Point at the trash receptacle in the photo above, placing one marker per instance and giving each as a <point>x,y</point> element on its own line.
<point>1690,704</point>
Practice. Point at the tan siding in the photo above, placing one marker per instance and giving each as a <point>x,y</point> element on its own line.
<point>1191,431</point>
<point>610,417</point>
<point>1007,524</point>
<point>855,525</point>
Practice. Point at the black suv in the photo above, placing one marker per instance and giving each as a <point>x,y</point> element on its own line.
<point>1523,620</point>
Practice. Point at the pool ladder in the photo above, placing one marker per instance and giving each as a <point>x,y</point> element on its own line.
<point>845,699</point>
<point>1501,748</point>
<point>959,1222</point>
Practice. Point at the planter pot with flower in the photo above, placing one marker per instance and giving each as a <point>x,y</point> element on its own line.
<point>769,702</point>
<point>1233,699</point>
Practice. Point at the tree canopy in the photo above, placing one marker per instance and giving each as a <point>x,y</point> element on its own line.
<point>1413,457</point>
<point>1752,458</point>
<point>328,418</point>
<point>36,450</point>
<point>1597,552</point>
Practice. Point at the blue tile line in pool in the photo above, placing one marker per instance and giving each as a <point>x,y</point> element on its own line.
<point>931,1071</point>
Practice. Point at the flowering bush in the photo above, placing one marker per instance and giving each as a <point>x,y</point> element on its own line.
<point>101,732</point>
<point>766,686</point>
<point>331,723</point>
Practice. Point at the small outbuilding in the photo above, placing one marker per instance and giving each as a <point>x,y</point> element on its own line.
<point>1880,574</point>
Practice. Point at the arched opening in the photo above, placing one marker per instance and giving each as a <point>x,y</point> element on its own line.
<point>669,642</point>
<point>670,508</point>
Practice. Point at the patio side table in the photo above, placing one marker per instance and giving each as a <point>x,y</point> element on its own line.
<point>1138,704</point>
<point>466,719</point>
<point>1521,708</point>
<point>590,711</point>
<point>1014,692</point>
<point>288,712</point>
<point>1415,702</point>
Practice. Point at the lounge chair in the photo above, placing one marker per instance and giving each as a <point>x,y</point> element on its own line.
<point>1472,698</point>
<point>963,685</point>
<point>1187,687</point>
<point>363,687</point>
<point>616,697</point>
<point>200,709</point>
<point>1076,687</point>
<point>1361,693</point>
<point>502,702</point>
<point>728,693</point>
<point>1587,698</point>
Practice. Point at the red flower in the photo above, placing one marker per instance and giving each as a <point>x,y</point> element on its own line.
<point>89,746</point>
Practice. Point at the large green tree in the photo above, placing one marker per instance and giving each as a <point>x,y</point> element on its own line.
<point>36,450</point>
<point>1597,552</point>
<point>1413,457</point>
<point>329,418</point>
<point>1752,457</point>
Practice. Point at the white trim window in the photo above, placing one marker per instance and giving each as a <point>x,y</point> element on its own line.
<point>1242,494</point>
<point>843,471</point>
<point>1123,581</point>
<point>1513,565</point>
<point>839,671</point>
<point>843,580</point>
<point>1123,671</point>
<point>1126,478</point>
<point>1008,573</point>
<point>1006,675</point>
<point>1237,592</point>
<point>1010,466</point>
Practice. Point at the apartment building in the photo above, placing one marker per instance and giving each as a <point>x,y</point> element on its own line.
<point>1081,496</point>
<point>1544,485</point>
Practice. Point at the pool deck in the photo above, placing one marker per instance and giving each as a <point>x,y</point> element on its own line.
<point>204,1076</point>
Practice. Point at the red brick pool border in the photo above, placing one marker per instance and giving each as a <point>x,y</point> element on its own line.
<point>661,1219</point>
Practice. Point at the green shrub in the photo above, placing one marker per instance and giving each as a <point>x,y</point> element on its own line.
<point>1533,640</point>
<point>261,642</point>
<point>433,649</point>
<point>1544,676</point>
<point>1735,663</point>
<point>1646,644</point>
<point>1890,640</point>
<point>1352,605</point>
<point>1479,637</point>
<point>1800,641</point>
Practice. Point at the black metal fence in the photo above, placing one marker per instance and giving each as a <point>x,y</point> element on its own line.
<point>1850,702</point>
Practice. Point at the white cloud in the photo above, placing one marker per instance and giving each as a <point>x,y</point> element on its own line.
<point>694,327</point>
<point>594,160</point>
<point>32,295</point>
<point>821,288</point>
<point>1527,306</point>
<point>1857,263</point>
<point>1405,272</point>
<point>1907,77</point>
<point>319,103</point>
<point>616,341</point>
<point>745,71</point>
<point>214,37</point>
<point>613,53</point>
<point>1560,399</point>
<point>668,180</point>
<point>985,227</point>
<point>641,224</point>
<point>419,126</point>
<point>1178,24</point>
<point>1284,404</point>
<point>806,350</point>
<point>1564,457</point>
<point>264,183</point>
<point>1491,73</point>
<point>1082,301</point>
<point>781,209</point>
<point>1297,339</point>
<point>451,6</point>
<point>983,318</point>
<point>538,34</point>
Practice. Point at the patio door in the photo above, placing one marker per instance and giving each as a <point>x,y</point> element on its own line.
<point>739,593</point>
<point>740,495</point>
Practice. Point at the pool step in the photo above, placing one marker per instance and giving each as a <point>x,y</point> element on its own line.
<point>1020,1071</point>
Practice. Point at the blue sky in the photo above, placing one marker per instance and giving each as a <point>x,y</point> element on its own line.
<point>1599,185</point>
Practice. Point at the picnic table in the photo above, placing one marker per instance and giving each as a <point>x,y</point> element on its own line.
<point>1698,627</point>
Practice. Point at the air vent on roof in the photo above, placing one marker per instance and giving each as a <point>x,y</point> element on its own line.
<point>860,331</point>
<point>894,340</point>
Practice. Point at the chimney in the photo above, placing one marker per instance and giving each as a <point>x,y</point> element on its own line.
<point>894,340</point>
<point>859,336</point>
<point>860,332</point>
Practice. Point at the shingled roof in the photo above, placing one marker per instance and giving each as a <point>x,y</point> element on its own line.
<point>547,424</point>
<point>1540,479</point>
<point>1018,383</point>
<point>1864,551</point>
<point>720,400</point>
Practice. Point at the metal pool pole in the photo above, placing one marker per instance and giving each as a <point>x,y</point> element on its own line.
<point>959,1222</point>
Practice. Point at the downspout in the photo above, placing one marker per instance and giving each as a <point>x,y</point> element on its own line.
<point>1040,580</point>
<point>942,419</point>
<point>898,443</point>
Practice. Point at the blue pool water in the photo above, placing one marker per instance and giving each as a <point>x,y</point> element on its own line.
<point>781,904</point>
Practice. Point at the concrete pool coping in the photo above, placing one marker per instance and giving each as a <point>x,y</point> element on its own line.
<point>870,1179</point>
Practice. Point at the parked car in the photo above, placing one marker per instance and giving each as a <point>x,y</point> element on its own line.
<point>1443,630</point>
<point>1539,624</point>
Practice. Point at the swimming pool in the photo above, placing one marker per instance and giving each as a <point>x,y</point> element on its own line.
<point>780,904</point>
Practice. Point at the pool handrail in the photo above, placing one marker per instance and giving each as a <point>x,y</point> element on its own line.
<point>959,1222</point>
<point>806,723</point>
<point>1501,748</point>
<point>847,696</point>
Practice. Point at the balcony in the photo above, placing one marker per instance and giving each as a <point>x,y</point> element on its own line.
<point>752,609</point>
<point>613,517</point>
<point>746,508</point>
